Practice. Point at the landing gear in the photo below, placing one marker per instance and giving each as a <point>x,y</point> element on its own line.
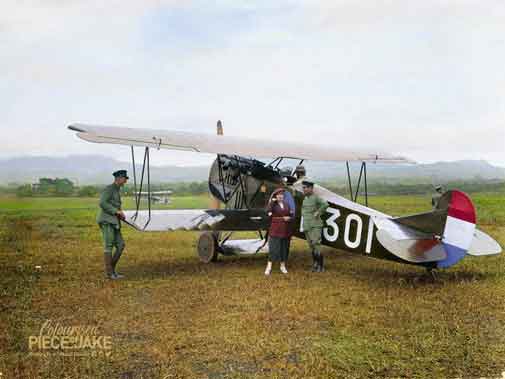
<point>207,247</point>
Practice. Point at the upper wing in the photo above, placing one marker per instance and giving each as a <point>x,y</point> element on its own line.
<point>207,143</point>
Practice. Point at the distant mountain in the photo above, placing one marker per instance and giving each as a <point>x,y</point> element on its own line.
<point>438,172</point>
<point>95,169</point>
<point>88,169</point>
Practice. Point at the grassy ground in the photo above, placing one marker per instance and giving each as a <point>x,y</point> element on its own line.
<point>174,317</point>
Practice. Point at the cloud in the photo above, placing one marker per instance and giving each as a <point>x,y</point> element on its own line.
<point>424,79</point>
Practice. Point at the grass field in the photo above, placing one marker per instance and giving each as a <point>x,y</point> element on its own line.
<point>174,317</point>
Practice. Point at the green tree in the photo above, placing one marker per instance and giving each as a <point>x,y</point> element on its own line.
<point>63,187</point>
<point>87,191</point>
<point>24,191</point>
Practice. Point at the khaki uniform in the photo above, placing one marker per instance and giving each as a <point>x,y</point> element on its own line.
<point>313,207</point>
<point>110,204</point>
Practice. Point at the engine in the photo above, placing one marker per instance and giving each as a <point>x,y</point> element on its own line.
<point>240,182</point>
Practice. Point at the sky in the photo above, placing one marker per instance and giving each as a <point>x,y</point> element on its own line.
<point>424,79</point>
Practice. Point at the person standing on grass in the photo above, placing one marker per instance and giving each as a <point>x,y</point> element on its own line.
<point>313,208</point>
<point>109,219</point>
<point>436,196</point>
<point>279,232</point>
<point>288,198</point>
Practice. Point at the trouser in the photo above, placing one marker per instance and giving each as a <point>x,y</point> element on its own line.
<point>289,247</point>
<point>112,239</point>
<point>313,236</point>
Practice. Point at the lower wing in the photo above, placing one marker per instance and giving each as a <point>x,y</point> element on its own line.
<point>198,219</point>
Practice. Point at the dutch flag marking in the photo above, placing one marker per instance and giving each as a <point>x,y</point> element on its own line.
<point>459,229</point>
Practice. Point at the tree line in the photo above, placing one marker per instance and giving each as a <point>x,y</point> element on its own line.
<point>62,187</point>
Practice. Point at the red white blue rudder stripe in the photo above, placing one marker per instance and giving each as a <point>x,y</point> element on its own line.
<point>459,229</point>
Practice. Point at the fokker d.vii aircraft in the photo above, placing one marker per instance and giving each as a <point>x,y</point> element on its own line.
<point>436,239</point>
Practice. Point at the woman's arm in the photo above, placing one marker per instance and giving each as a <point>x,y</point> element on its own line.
<point>270,206</point>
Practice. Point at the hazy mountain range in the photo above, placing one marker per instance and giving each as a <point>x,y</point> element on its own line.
<point>94,169</point>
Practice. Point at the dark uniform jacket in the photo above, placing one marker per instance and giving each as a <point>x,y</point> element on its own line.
<point>110,204</point>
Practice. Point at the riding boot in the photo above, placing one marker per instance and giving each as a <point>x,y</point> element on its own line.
<point>109,272</point>
<point>115,260</point>
<point>321,263</point>
<point>315,263</point>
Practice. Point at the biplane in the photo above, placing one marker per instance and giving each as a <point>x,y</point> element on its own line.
<point>157,197</point>
<point>438,238</point>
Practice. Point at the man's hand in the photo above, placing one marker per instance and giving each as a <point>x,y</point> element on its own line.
<point>286,218</point>
<point>121,215</point>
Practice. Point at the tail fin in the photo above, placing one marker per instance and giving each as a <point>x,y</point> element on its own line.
<point>453,221</point>
<point>459,228</point>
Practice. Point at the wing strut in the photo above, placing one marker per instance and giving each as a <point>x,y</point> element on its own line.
<point>138,193</point>
<point>362,174</point>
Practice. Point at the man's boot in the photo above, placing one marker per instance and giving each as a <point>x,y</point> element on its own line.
<point>321,263</point>
<point>115,260</point>
<point>109,272</point>
<point>315,262</point>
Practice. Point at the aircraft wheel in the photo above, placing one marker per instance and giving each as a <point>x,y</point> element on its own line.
<point>207,247</point>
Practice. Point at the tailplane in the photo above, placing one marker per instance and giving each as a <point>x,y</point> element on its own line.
<point>452,222</point>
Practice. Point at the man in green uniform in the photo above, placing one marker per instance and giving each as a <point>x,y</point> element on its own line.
<point>313,207</point>
<point>300,172</point>
<point>109,219</point>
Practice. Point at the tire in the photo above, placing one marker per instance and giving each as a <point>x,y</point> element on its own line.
<point>207,247</point>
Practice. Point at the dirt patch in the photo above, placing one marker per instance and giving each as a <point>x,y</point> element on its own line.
<point>16,235</point>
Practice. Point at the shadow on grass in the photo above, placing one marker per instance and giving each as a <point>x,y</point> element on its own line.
<point>185,267</point>
<point>376,273</point>
<point>390,274</point>
<point>386,277</point>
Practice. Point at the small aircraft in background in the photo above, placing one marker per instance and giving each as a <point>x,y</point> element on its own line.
<point>439,238</point>
<point>157,197</point>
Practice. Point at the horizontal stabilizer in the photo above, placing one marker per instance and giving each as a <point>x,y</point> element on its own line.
<point>452,223</point>
<point>430,223</point>
<point>398,231</point>
<point>415,246</point>
<point>412,250</point>
<point>482,244</point>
